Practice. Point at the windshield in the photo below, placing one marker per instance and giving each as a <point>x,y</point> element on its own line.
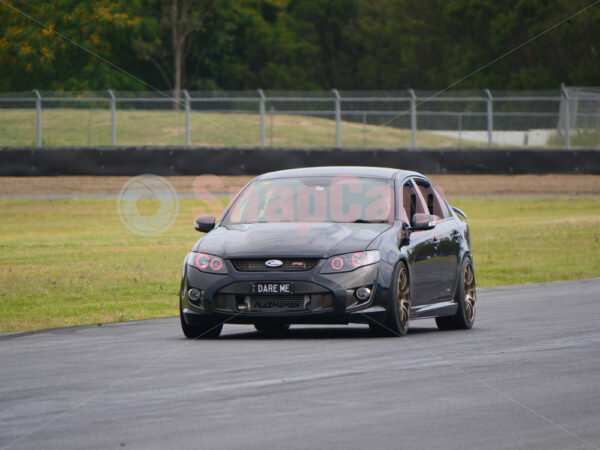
<point>341,199</point>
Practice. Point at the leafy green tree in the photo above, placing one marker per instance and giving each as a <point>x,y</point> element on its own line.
<point>298,44</point>
<point>403,44</point>
<point>331,26</point>
<point>271,49</point>
<point>174,34</point>
<point>33,56</point>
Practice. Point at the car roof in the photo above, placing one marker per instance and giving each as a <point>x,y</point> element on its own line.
<point>333,171</point>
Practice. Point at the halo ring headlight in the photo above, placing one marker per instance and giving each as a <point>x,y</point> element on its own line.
<point>351,261</point>
<point>208,263</point>
<point>202,261</point>
<point>337,263</point>
<point>216,264</point>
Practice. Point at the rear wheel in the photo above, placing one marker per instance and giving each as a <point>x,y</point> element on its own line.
<point>399,307</point>
<point>273,327</point>
<point>466,298</point>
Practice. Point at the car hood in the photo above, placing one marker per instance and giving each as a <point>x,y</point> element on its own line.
<point>319,240</point>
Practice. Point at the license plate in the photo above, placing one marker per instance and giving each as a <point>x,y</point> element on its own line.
<point>271,288</point>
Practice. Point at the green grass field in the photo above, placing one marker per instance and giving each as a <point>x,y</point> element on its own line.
<point>71,261</point>
<point>77,127</point>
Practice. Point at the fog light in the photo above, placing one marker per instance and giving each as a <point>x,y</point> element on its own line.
<point>363,293</point>
<point>194,295</point>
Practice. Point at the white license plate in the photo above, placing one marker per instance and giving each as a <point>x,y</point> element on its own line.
<point>272,288</point>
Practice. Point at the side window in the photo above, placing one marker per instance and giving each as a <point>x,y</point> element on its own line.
<point>435,203</point>
<point>445,212</point>
<point>411,202</point>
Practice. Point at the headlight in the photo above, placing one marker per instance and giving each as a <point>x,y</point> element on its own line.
<point>350,261</point>
<point>207,263</point>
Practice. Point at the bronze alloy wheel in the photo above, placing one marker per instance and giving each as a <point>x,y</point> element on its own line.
<point>469,291</point>
<point>398,317</point>
<point>403,298</point>
<point>465,298</point>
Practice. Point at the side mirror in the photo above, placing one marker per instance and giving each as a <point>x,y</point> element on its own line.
<point>422,221</point>
<point>204,223</point>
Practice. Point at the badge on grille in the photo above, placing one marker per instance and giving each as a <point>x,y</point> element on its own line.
<point>274,263</point>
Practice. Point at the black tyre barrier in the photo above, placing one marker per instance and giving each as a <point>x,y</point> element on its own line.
<point>251,161</point>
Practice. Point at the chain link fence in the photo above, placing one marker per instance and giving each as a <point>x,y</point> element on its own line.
<point>565,118</point>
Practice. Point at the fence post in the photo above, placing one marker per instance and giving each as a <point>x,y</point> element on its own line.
<point>565,96</point>
<point>188,137</point>
<point>459,130</point>
<point>38,118</point>
<point>271,112</point>
<point>413,118</point>
<point>490,118</point>
<point>113,124</point>
<point>90,127</point>
<point>338,118</point>
<point>262,105</point>
<point>364,117</point>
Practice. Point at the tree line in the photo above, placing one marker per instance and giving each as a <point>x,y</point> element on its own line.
<point>296,44</point>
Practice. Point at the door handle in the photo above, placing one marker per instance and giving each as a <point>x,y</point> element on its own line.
<point>435,241</point>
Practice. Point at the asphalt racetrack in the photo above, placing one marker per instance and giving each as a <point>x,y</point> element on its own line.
<point>526,376</point>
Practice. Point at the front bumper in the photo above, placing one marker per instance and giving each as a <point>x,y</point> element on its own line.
<point>328,298</point>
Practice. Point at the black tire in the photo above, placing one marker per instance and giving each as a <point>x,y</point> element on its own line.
<point>465,297</point>
<point>204,331</point>
<point>272,327</point>
<point>399,306</point>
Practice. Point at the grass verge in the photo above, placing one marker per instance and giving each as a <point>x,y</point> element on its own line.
<point>80,127</point>
<point>71,261</point>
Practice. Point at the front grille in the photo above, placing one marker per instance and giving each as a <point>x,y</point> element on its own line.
<point>278,298</point>
<point>221,301</point>
<point>327,300</point>
<point>289,265</point>
<point>275,303</point>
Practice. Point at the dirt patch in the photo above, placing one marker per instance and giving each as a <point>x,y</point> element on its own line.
<point>98,185</point>
<point>450,184</point>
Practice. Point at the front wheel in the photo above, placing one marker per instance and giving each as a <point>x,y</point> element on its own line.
<point>204,331</point>
<point>399,307</point>
<point>465,297</point>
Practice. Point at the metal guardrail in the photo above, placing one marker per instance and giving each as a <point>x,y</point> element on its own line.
<point>485,118</point>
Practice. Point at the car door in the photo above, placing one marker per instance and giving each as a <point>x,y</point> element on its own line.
<point>424,275</point>
<point>446,240</point>
<point>448,253</point>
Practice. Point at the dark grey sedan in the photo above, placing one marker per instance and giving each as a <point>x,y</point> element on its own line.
<point>331,245</point>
